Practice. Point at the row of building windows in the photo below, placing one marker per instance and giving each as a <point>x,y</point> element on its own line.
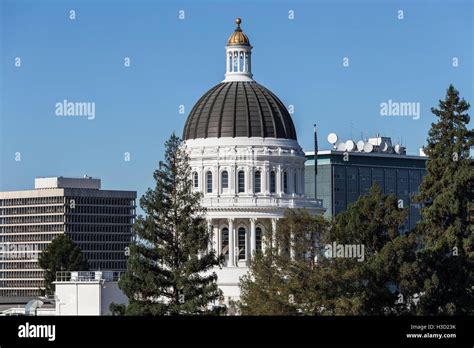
<point>19,292</point>
<point>95,237</point>
<point>100,219</point>
<point>98,256</point>
<point>48,209</point>
<point>33,237</point>
<point>33,228</point>
<point>21,274</point>
<point>86,228</point>
<point>81,209</point>
<point>112,265</point>
<point>101,201</point>
<point>31,219</point>
<point>23,283</point>
<point>31,201</point>
<point>19,265</point>
<point>112,248</point>
<point>241,181</point>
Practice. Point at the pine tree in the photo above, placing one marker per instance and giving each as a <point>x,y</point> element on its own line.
<point>169,270</point>
<point>60,255</point>
<point>370,285</point>
<point>446,258</point>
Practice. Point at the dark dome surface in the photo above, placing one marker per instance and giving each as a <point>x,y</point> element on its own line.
<point>239,109</point>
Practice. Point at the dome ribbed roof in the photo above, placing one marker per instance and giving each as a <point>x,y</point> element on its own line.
<point>239,109</point>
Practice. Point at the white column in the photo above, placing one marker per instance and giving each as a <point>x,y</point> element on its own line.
<point>253,238</point>
<point>263,176</point>
<point>279,181</point>
<point>203,180</point>
<point>238,61</point>
<point>218,180</point>
<point>274,223</point>
<point>211,230</point>
<point>250,175</point>
<point>231,244</point>
<point>232,180</point>
<point>219,239</point>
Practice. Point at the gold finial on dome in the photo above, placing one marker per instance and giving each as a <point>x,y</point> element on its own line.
<point>238,37</point>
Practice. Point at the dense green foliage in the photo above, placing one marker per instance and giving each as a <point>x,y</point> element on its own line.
<point>60,255</point>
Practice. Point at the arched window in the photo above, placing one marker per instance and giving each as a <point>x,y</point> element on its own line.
<point>258,182</point>
<point>225,241</point>
<point>196,180</point>
<point>241,181</point>
<point>241,243</point>
<point>225,179</point>
<point>272,182</point>
<point>241,61</point>
<point>258,238</point>
<point>236,62</point>
<point>285,182</point>
<point>230,62</point>
<point>209,182</point>
<point>295,183</point>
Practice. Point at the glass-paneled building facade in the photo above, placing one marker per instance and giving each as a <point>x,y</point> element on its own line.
<point>345,176</point>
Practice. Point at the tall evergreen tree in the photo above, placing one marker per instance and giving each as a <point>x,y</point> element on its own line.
<point>446,258</point>
<point>169,269</point>
<point>371,285</point>
<point>60,255</point>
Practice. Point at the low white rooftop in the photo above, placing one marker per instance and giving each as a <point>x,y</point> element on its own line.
<point>61,182</point>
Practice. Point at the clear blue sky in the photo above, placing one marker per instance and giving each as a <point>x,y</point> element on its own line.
<point>175,61</point>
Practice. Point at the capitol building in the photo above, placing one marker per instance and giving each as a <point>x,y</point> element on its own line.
<point>247,162</point>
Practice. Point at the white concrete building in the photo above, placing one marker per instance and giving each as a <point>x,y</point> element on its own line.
<point>77,293</point>
<point>246,159</point>
<point>87,293</point>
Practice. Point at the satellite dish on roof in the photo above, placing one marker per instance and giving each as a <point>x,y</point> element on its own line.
<point>350,145</point>
<point>368,147</point>
<point>332,138</point>
<point>383,146</point>
<point>360,145</point>
<point>341,147</point>
<point>398,148</point>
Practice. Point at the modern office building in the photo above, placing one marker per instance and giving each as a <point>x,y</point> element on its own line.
<point>99,221</point>
<point>346,173</point>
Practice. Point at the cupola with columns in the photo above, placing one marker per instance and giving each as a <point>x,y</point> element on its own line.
<point>239,56</point>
